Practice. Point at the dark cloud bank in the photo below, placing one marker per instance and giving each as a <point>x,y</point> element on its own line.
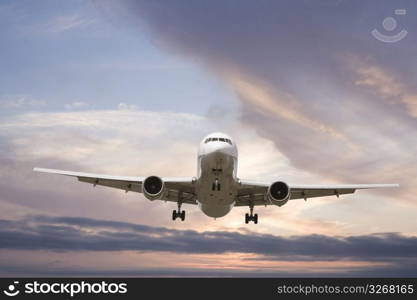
<point>68,234</point>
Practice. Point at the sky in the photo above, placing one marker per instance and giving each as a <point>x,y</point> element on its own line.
<point>306,90</point>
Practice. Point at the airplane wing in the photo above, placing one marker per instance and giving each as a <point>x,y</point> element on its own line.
<point>173,185</point>
<point>258,191</point>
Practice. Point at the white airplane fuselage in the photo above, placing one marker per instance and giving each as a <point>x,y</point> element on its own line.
<point>216,175</point>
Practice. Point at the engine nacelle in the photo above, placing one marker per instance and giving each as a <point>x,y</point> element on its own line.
<point>279,193</point>
<point>153,187</point>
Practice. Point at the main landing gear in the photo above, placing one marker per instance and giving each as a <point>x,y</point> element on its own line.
<point>178,214</point>
<point>251,216</point>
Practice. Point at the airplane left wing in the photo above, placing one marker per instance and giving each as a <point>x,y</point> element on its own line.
<point>258,191</point>
<point>173,185</point>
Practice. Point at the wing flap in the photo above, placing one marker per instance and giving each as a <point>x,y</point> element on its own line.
<point>258,200</point>
<point>172,196</point>
<point>312,193</point>
<point>118,184</point>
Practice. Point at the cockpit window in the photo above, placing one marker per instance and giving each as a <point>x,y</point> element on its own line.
<point>218,139</point>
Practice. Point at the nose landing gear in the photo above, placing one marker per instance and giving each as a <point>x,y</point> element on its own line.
<point>216,185</point>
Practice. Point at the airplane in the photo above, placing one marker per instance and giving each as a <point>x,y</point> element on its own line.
<point>216,189</point>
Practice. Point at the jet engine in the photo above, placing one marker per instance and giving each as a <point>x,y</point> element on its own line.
<point>153,187</point>
<point>279,193</point>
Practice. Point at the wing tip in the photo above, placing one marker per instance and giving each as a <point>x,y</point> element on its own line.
<point>43,170</point>
<point>391,185</point>
<point>388,185</point>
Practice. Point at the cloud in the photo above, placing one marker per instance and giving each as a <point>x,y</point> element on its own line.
<point>19,102</point>
<point>77,105</point>
<point>47,135</point>
<point>121,142</point>
<point>314,115</point>
<point>60,24</point>
<point>124,142</point>
<point>75,234</point>
<point>289,63</point>
<point>41,232</point>
<point>142,143</point>
<point>124,106</point>
<point>271,103</point>
<point>386,85</point>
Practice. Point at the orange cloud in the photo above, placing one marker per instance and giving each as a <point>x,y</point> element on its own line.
<point>270,101</point>
<point>385,84</point>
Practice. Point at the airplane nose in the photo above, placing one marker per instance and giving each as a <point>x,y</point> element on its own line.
<point>218,148</point>
<point>222,149</point>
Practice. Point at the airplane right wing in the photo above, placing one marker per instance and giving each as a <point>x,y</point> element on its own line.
<point>258,192</point>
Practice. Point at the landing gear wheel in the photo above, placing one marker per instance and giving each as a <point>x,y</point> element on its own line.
<point>251,217</point>
<point>178,214</point>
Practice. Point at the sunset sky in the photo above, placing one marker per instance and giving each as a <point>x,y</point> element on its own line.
<point>131,87</point>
